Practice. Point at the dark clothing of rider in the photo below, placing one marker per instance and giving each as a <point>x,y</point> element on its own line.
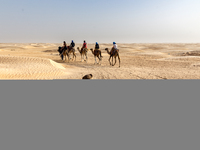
<point>96,46</point>
<point>72,44</point>
<point>64,47</point>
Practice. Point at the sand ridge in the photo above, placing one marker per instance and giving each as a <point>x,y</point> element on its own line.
<point>19,67</point>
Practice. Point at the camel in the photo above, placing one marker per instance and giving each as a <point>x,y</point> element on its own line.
<point>116,54</point>
<point>83,53</point>
<point>67,53</point>
<point>97,53</point>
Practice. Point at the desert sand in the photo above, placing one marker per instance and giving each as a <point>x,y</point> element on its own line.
<point>41,61</point>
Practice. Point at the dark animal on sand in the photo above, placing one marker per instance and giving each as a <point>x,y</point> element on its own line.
<point>88,76</point>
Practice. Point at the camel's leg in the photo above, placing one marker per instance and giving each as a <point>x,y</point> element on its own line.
<point>72,57</point>
<point>95,60</point>
<point>100,54</point>
<point>109,60</point>
<point>115,61</point>
<point>72,54</point>
<point>99,60</point>
<point>112,60</point>
<point>65,57</point>
<point>119,60</point>
<point>75,56</point>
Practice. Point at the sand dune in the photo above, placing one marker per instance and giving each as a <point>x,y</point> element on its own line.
<point>138,61</point>
<point>15,67</point>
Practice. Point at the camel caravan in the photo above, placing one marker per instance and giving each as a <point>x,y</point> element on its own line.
<point>69,51</point>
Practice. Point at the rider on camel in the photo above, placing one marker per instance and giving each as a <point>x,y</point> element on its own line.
<point>64,47</point>
<point>114,49</point>
<point>71,45</point>
<point>84,45</point>
<point>96,46</point>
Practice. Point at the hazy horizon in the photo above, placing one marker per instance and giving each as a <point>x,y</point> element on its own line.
<point>69,42</point>
<point>105,21</point>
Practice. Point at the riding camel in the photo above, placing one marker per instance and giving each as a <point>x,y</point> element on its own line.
<point>115,54</point>
<point>83,53</point>
<point>71,51</point>
<point>97,53</point>
<point>67,52</point>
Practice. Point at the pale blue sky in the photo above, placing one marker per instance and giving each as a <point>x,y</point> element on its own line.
<point>104,21</point>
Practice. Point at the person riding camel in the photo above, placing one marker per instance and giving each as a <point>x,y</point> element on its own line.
<point>96,46</point>
<point>84,46</point>
<point>71,45</point>
<point>64,47</point>
<point>114,49</point>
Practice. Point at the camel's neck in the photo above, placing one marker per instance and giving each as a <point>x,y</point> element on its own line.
<point>79,50</point>
<point>108,51</point>
<point>92,51</point>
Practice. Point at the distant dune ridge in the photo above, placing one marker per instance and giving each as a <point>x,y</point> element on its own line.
<point>41,61</point>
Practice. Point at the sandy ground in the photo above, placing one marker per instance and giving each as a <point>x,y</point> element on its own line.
<point>138,61</point>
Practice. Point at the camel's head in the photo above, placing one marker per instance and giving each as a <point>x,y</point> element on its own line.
<point>77,48</point>
<point>91,49</point>
<point>106,49</point>
<point>59,49</point>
